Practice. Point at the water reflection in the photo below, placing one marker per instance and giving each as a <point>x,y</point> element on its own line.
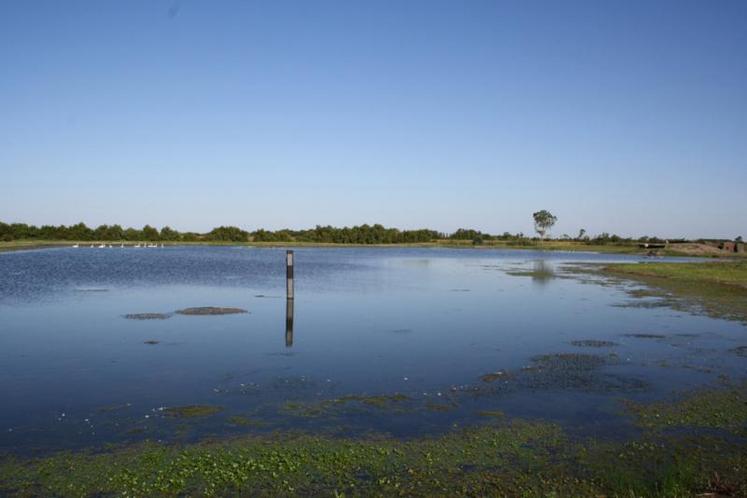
<point>288,323</point>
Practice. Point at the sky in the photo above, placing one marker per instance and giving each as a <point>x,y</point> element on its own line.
<point>626,117</point>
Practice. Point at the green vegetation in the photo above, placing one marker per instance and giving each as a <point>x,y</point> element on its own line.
<point>718,289</point>
<point>724,409</point>
<point>508,457</point>
<point>724,273</point>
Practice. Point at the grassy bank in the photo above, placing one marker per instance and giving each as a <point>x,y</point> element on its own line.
<point>717,288</point>
<point>713,273</point>
<point>508,458</point>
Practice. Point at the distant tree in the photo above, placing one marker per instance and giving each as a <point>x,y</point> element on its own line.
<point>150,233</point>
<point>232,234</point>
<point>132,234</point>
<point>167,233</point>
<point>739,239</point>
<point>581,234</point>
<point>543,221</point>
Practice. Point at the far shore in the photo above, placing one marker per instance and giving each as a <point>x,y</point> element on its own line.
<point>682,249</point>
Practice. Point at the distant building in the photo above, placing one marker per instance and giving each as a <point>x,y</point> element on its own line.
<point>729,246</point>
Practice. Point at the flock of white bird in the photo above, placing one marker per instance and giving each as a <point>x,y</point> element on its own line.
<point>103,246</point>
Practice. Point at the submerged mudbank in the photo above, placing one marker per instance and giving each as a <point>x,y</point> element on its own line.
<point>201,310</point>
<point>504,457</point>
<point>593,343</point>
<point>147,316</point>
<point>211,310</point>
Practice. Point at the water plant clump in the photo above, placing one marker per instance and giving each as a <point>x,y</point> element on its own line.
<point>211,310</point>
<point>151,342</point>
<point>565,371</point>
<point>191,411</point>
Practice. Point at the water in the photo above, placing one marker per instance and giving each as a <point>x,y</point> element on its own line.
<point>425,324</point>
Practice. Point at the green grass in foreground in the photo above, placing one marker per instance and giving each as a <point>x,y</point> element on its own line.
<point>511,458</point>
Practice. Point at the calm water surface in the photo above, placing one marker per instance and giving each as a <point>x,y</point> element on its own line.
<point>423,323</point>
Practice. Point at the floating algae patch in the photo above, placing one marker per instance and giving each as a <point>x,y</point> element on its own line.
<point>211,310</point>
<point>379,401</point>
<point>491,413</point>
<point>147,316</point>
<point>191,411</point>
<point>577,371</point>
<point>440,407</point>
<point>593,343</point>
<point>391,402</point>
<point>571,371</point>
<point>724,409</point>
<point>242,421</point>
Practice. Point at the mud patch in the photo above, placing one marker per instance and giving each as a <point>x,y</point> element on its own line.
<point>211,310</point>
<point>493,376</point>
<point>593,343</point>
<point>147,316</point>
<point>645,336</point>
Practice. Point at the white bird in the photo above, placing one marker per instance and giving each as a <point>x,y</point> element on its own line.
<point>76,245</point>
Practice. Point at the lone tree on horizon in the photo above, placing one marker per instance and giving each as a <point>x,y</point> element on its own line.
<point>543,221</point>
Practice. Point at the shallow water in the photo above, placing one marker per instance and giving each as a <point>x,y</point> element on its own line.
<point>423,323</point>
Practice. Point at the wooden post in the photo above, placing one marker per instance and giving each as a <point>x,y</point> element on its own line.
<point>288,323</point>
<point>289,274</point>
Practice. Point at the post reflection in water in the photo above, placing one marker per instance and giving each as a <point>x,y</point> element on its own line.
<point>288,323</point>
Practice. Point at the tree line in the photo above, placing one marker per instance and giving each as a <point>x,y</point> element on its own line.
<point>361,234</point>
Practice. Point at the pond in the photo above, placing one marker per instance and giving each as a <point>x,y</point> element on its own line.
<point>399,341</point>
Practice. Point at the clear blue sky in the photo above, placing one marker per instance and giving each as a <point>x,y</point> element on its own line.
<point>618,116</point>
